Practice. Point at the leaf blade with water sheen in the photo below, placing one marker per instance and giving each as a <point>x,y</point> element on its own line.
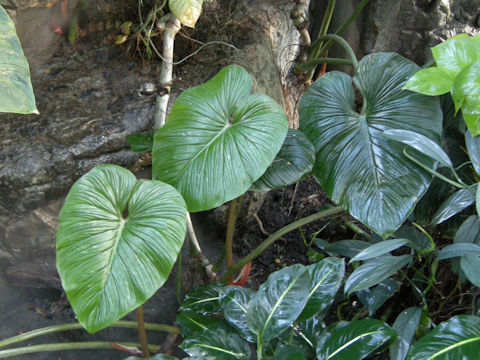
<point>279,301</point>
<point>16,92</point>
<point>374,271</point>
<point>110,265</point>
<point>430,81</point>
<point>379,249</point>
<point>234,302</point>
<point>354,341</point>
<point>455,203</point>
<point>405,325</point>
<point>356,165</point>
<point>456,338</point>
<point>218,140</point>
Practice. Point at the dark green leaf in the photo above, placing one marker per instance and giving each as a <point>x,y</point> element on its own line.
<point>292,164</point>
<point>473,148</point>
<point>155,357</point>
<point>455,339</point>
<point>457,250</point>
<point>358,167</point>
<point>457,202</point>
<point>469,231</point>
<point>379,249</point>
<point>418,239</point>
<point>288,352</point>
<point>405,325</point>
<point>204,299</point>
<point>141,142</point>
<point>218,140</point>
<point>375,297</point>
<point>455,54</point>
<point>470,265</point>
<point>279,301</point>
<point>217,344</point>
<point>190,323</point>
<point>234,302</point>
<point>110,262</point>
<point>326,277</point>
<point>16,93</point>
<point>431,81</point>
<point>374,271</point>
<point>420,143</point>
<point>347,248</point>
<point>312,328</point>
<point>355,341</point>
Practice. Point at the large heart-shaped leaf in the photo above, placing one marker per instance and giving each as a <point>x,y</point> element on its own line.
<point>292,164</point>
<point>187,11</point>
<point>354,341</point>
<point>218,140</point>
<point>117,241</point>
<point>279,301</point>
<point>16,93</point>
<point>456,338</point>
<point>326,277</point>
<point>405,325</point>
<point>359,168</point>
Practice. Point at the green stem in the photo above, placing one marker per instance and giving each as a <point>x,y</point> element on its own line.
<point>341,41</point>
<point>229,238</point>
<point>430,239</point>
<point>354,228</point>
<point>433,172</point>
<point>68,346</point>
<point>259,347</point>
<point>311,65</point>
<point>142,334</point>
<point>76,326</point>
<point>277,235</point>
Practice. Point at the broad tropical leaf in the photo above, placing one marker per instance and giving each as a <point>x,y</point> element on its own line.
<point>326,277</point>
<point>458,250</point>
<point>470,264</point>
<point>374,271</point>
<point>204,299</point>
<point>431,81</point>
<point>347,248</point>
<point>355,341</point>
<point>455,203</point>
<point>405,325</point>
<point>379,249</point>
<point>279,301</point>
<point>218,140</point>
<point>456,338</point>
<point>359,168</point>
<point>374,298</point>
<point>234,302</point>
<point>455,54</point>
<point>16,93</point>
<point>312,328</point>
<point>187,11</point>
<point>466,95</point>
<point>141,142</point>
<point>217,344</point>
<point>117,241</point>
<point>191,323</point>
<point>293,163</point>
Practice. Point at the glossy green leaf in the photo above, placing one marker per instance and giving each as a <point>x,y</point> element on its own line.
<point>454,339</point>
<point>234,302</point>
<point>374,271</point>
<point>455,54</point>
<point>431,81</point>
<point>292,164</point>
<point>279,301</point>
<point>466,94</point>
<point>16,93</point>
<point>312,328</point>
<point>359,168</point>
<point>405,325</point>
<point>469,231</point>
<point>218,140</point>
<point>347,248</point>
<point>204,299</point>
<point>288,352</point>
<point>379,249</point>
<point>470,264</point>
<point>374,298</point>
<point>455,203</point>
<point>420,143</point>
<point>190,323</point>
<point>117,241</point>
<point>187,11</point>
<point>217,344</point>
<point>355,341</point>
<point>326,277</point>
<point>473,148</point>
<point>457,250</point>
<point>141,142</point>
